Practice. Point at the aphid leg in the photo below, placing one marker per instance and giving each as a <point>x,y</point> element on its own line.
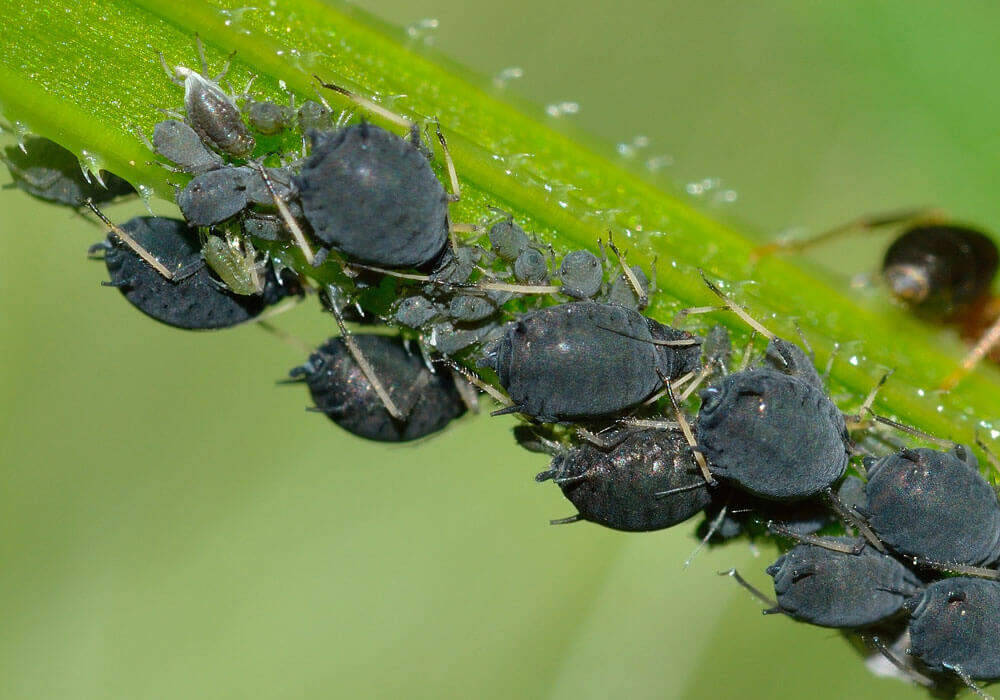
<point>479,384</point>
<point>150,259</point>
<point>876,642</point>
<point>964,569</point>
<point>655,424</point>
<point>689,436</point>
<point>866,407</point>
<point>465,391</point>
<point>483,286</point>
<point>910,430</point>
<point>754,591</point>
<point>566,521</point>
<point>829,363</point>
<point>747,352</point>
<point>465,228</point>
<point>362,361</point>
<point>367,104</point>
<point>702,376</point>
<point>286,337</point>
<point>737,309</point>
<point>990,455</point>
<point>987,341</point>
<point>692,311</point>
<point>805,342</point>
<point>854,519</point>
<point>286,216</point>
<point>456,189</point>
<point>864,223</point>
<point>633,281</point>
<point>679,489</point>
<point>967,680</point>
<point>832,545</point>
<point>713,527</point>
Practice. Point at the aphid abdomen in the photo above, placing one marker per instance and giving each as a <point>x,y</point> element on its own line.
<point>373,196</point>
<point>215,117</point>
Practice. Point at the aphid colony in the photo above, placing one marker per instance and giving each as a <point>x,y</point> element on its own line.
<point>588,373</point>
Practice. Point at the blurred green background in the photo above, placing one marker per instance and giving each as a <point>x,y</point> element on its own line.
<point>175,526</point>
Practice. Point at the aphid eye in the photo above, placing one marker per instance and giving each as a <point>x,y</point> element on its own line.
<point>956,597</point>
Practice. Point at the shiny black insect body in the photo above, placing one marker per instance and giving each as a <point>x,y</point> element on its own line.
<point>585,360</point>
<point>373,196</point>
<point>841,589</point>
<point>772,430</point>
<point>642,480</point>
<point>955,627</point>
<point>935,506</point>
<point>427,400</point>
<point>46,170</point>
<point>193,299</point>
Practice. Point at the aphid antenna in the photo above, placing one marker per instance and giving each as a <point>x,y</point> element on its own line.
<point>593,438</point>
<point>755,592</point>
<point>991,456</point>
<point>286,215</point>
<point>477,382</point>
<point>479,286</point>
<point>456,188</point>
<point>824,542</point>
<point>566,521</point>
<point>702,376</point>
<point>954,568</point>
<point>866,405</point>
<point>688,435</point>
<point>694,311</point>
<point>854,519</point>
<point>683,342</point>
<point>910,430</point>
<point>834,351</point>
<point>367,104</point>
<point>679,382</point>
<point>633,281</point>
<point>139,250</point>
<point>679,489</point>
<point>748,351</point>
<point>285,336</point>
<point>462,385</point>
<point>876,643</point>
<point>278,309</point>
<point>736,308</point>
<point>864,223</point>
<point>362,361</point>
<point>713,527</point>
<point>805,341</point>
<point>986,342</point>
<point>649,423</point>
<point>967,680</point>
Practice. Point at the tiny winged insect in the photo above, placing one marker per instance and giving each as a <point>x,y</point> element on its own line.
<point>427,401</point>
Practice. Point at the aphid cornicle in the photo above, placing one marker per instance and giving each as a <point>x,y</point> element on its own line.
<point>585,360</point>
<point>955,627</point>
<point>935,506</point>
<point>841,589</point>
<point>428,400</point>
<point>625,486</point>
<point>46,170</point>
<point>194,300</point>
<point>374,197</point>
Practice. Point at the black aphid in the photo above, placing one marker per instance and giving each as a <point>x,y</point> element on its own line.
<point>178,143</point>
<point>193,299</point>
<point>215,196</point>
<point>586,360</point>
<point>955,627</point>
<point>934,505</point>
<point>212,113</point>
<point>373,196</point>
<point>46,170</point>
<point>772,430</point>
<point>581,274</point>
<point>841,589</point>
<point>267,117</point>
<point>507,239</point>
<point>644,480</point>
<point>530,267</point>
<point>773,434</point>
<point>427,400</point>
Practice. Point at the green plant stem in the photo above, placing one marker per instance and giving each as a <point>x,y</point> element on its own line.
<point>86,75</point>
